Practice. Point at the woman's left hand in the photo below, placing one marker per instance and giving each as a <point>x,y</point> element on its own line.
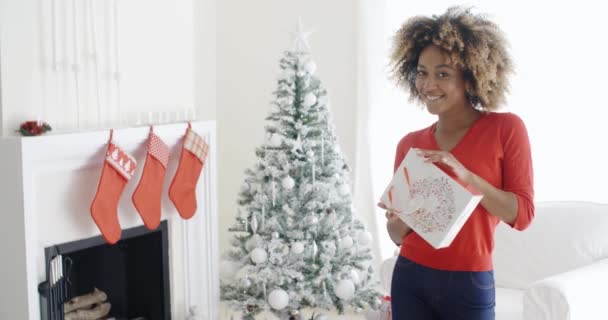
<point>447,159</point>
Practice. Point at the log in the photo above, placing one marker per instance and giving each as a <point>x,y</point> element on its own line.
<point>97,311</point>
<point>85,301</point>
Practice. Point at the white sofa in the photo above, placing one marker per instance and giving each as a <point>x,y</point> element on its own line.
<point>557,269</point>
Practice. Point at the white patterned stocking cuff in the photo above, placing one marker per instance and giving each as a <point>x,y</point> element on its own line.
<point>195,144</point>
<point>158,149</point>
<point>121,161</point>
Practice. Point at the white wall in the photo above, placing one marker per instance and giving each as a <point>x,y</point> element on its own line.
<point>251,38</point>
<point>205,88</point>
<point>154,53</point>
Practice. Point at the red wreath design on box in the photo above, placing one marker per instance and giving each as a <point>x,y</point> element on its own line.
<point>438,218</point>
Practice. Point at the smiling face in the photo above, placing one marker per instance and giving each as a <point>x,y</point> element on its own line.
<point>440,83</point>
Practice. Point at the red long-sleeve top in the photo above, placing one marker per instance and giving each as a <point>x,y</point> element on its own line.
<point>496,148</point>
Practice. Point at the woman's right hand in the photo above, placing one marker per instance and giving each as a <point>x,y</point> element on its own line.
<point>397,229</point>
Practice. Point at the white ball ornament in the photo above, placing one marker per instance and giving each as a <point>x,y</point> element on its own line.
<point>288,183</point>
<point>297,248</point>
<point>313,219</point>
<point>245,283</point>
<point>278,299</point>
<point>345,289</point>
<point>343,189</point>
<point>276,140</point>
<point>310,99</point>
<point>310,153</point>
<point>258,255</point>
<point>310,67</point>
<point>364,238</point>
<point>346,242</point>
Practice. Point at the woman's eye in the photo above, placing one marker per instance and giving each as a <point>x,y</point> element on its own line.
<point>443,75</point>
<point>420,73</point>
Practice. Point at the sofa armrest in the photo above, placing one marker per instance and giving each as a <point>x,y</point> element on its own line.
<point>579,294</point>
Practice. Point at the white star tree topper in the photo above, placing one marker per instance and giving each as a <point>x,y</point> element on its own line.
<point>300,38</point>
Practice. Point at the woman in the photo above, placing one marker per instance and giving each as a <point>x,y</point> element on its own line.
<point>457,65</point>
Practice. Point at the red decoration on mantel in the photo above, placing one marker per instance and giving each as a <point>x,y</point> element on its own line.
<point>34,128</point>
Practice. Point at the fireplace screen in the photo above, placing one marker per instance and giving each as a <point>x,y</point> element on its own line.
<point>89,279</point>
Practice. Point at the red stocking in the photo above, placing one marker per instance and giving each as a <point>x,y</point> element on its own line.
<point>147,195</point>
<point>118,169</point>
<point>183,187</point>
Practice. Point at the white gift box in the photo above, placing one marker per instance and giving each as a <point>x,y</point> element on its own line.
<point>429,201</point>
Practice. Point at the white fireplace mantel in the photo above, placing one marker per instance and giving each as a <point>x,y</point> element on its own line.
<point>47,184</point>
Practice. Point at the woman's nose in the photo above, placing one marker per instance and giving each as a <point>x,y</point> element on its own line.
<point>429,84</point>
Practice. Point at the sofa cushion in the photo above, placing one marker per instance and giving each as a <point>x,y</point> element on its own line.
<point>386,273</point>
<point>577,294</point>
<point>563,236</point>
<point>509,304</point>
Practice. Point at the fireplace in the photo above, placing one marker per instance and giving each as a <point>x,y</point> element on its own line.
<point>133,273</point>
<point>46,192</point>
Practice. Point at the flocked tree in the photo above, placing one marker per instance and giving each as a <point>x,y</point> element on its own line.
<point>296,243</point>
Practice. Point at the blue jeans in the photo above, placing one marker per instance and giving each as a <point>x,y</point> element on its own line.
<point>421,293</point>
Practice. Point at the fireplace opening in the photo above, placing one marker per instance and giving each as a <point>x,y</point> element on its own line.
<point>131,277</point>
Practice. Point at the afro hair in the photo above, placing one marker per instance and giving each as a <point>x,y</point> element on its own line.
<point>471,41</point>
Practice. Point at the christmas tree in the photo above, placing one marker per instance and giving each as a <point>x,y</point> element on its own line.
<point>296,244</point>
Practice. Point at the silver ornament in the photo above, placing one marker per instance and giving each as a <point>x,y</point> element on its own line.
<point>310,67</point>
<point>254,223</point>
<point>278,299</point>
<point>258,255</point>
<point>346,242</point>
<point>345,289</point>
<point>312,218</point>
<point>288,183</point>
<point>310,99</point>
<point>276,140</point>
<point>297,247</point>
<point>245,283</point>
<point>275,235</point>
